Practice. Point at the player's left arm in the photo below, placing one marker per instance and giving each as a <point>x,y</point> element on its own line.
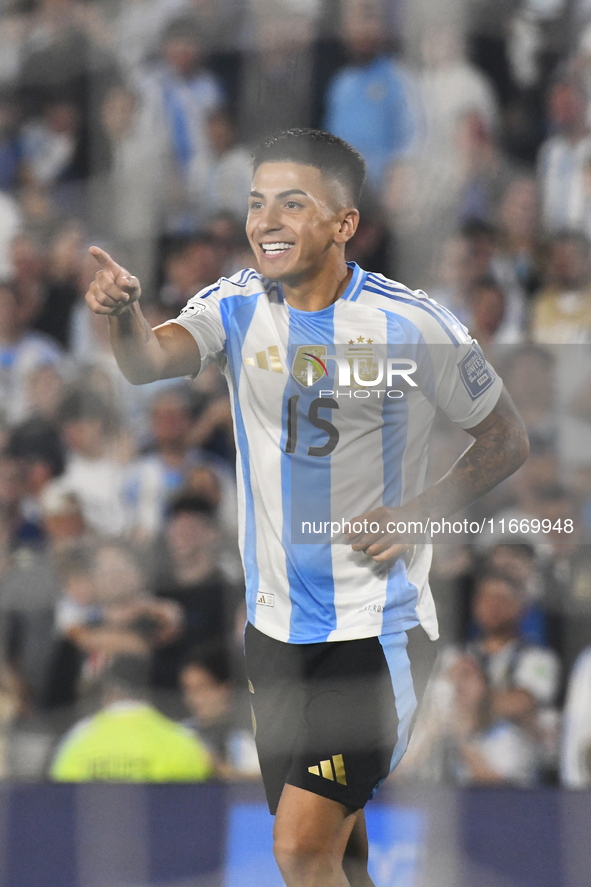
<point>500,447</point>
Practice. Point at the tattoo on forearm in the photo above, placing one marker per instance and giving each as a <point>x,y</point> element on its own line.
<point>147,330</point>
<point>495,454</point>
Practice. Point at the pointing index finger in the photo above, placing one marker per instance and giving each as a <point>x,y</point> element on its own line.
<point>105,261</point>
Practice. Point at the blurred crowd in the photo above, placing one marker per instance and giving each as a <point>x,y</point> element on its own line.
<point>129,123</point>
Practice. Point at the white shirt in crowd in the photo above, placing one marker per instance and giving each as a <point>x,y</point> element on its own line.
<point>575,763</point>
<point>565,193</point>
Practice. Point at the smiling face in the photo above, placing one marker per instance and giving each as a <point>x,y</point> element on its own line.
<point>298,221</point>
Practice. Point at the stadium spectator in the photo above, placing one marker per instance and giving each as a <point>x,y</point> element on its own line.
<point>61,58</point>
<point>190,263</point>
<point>11,221</point>
<point>451,86</point>
<point>137,28</point>
<point>94,474</point>
<point>561,310</point>
<point>152,479</point>
<point>179,93</point>
<point>22,350</point>
<point>29,589</point>
<point>575,759</point>
<point>10,141</point>
<point>524,678</point>
<point>529,375</point>
<point>50,146</point>
<point>29,259</point>
<point>63,519</point>
<point>220,180</point>
<point>567,572</point>
<point>194,579</point>
<point>129,740</point>
<point>38,450</point>
<point>230,241</point>
<point>489,715</point>
<point>487,40</point>
<point>212,429</point>
<point>209,695</point>
<point>370,101</point>
<point>425,191</point>
<point>519,221</point>
<point>209,481</point>
<point>104,611</point>
<point>141,178</point>
<point>520,560</point>
<point>483,239</point>
<point>56,285</point>
<point>487,303</point>
<point>373,246</point>
<point>484,171</point>
<point>458,740</point>
<point>76,606</point>
<point>45,392</point>
<point>276,88</point>
<point>453,277</point>
<point>563,157</point>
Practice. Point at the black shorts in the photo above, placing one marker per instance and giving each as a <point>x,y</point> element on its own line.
<point>334,718</point>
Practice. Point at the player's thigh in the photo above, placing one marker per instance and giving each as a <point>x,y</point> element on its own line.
<point>307,824</point>
<point>350,724</point>
<point>362,697</point>
<point>277,702</point>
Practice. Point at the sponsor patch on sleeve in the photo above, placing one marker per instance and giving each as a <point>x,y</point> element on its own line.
<point>193,308</point>
<point>476,374</point>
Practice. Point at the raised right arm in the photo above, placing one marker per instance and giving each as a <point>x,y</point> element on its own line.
<point>143,354</point>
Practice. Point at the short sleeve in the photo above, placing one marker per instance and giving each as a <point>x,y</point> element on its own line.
<point>466,386</point>
<point>202,317</point>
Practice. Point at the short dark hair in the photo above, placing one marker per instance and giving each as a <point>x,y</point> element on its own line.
<point>83,405</point>
<point>314,147</point>
<point>185,500</point>
<point>128,673</point>
<point>213,658</point>
<point>490,574</point>
<point>38,440</point>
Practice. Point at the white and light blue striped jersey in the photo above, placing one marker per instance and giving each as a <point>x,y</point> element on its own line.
<point>319,440</point>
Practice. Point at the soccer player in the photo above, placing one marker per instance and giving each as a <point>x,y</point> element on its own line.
<point>333,630</point>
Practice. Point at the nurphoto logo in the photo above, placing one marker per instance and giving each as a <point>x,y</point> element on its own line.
<point>358,366</point>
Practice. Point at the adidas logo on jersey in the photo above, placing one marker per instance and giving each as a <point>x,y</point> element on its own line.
<point>265,599</point>
<point>331,769</point>
<point>266,360</point>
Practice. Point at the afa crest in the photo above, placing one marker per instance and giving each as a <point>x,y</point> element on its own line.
<point>309,365</point>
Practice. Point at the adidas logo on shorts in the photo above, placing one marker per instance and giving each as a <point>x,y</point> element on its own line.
<point>331,769</point>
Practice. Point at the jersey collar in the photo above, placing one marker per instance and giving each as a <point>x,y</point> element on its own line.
<point>354,286</point>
